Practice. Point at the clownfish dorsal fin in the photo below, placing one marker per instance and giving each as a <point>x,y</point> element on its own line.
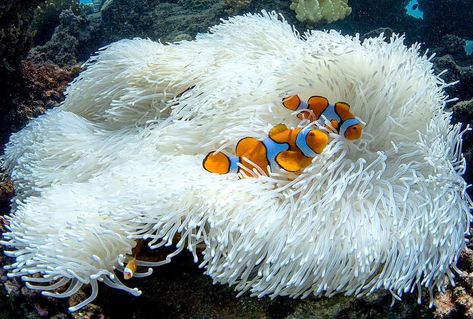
<point>344,104</point>
<point>246,145</point>
<point>291,161</point>
<point>273,133</point>
<point>343,110</point>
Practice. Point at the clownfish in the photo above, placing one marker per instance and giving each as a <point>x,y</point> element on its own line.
<point>131,266</point>
<point>318,107</point>
<point>289,149</point>
<point>130,269</point>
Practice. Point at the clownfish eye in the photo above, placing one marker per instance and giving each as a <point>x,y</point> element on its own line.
<point>311,134</point>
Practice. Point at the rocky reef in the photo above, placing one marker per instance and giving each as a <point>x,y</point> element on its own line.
<point>446,17</point>
<point>43,44</point>
<point>15,42</point>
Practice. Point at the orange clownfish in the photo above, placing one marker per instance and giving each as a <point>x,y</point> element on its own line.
<point>291,150</point>
<point>318,107</point>
<point>130,269</point>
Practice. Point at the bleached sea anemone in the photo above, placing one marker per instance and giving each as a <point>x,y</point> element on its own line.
<point>121,160</point>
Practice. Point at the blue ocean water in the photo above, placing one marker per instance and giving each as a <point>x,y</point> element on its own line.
<point>414,10</point>
<point>86,1</point>
<point>469,47</point>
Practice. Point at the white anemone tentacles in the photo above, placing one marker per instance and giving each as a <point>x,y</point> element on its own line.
<point>121,160</point>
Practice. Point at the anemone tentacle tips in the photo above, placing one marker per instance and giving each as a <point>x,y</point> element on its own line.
<point>120,161</point>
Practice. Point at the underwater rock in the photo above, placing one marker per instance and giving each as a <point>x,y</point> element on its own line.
<point>157,19</point>
<point>457,302</point>
<point>42,88</point>
<point>45,82</point>
<point>446,17</point>
<point>367,15</point>
<point>387,32</point>
<point>463,112</point>
<point>455,47</point>
<point>72,40</point>
<point>6,194</point>
<point>463,74</point>
<point>233,7</point>
<point>15,41</point>
<point>47,18</point>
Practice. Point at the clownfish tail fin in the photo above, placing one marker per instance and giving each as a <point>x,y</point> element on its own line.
<point>220,163</point>
<point>291,102</point>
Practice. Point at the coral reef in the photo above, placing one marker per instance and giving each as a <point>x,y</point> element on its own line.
<point>273,236</point>
<point>157,19</point>
<point>45,84</point>
<point>457,302</point>
<point>66,46</point>
<point>454,46</point>
<point>47,18</point>
<point>456,67</point>
<point>233,7</point>
<point>454,72</point>
<point>463,112</point>
<point>315,11</point>
<point>15,41</point>
<point>6,193</point>
<point>446,17</point>
<point>368,15</point>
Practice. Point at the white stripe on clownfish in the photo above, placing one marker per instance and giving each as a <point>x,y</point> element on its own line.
<point>301,142</point>
<point>273,149</point>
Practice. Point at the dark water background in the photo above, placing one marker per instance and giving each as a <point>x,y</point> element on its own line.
<point>42,47</point>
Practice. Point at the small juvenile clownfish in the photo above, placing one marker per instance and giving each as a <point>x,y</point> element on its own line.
<point>291,150</point>
<point>318,107</point>
<point>130,269</point>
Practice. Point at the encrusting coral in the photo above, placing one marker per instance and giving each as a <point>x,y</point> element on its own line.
<point>121,160</point>
<point>317,11</point>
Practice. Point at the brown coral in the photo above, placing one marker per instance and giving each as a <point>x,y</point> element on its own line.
<point>235,6</point>
<point>44,84</point>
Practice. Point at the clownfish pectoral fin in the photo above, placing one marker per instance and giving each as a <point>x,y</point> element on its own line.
<point>291,102</point>
<point>277,129</point>
<point>334,124</point>
<point>246,145</point>
<point>304,115</point>
<point>291,161</point>
<point>217,163</point>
